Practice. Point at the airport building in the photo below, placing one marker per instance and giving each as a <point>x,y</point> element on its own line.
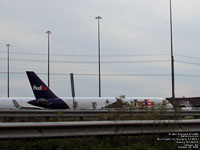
<point>186,101</point>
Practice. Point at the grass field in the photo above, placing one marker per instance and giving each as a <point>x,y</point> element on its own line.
<point>147,142</point>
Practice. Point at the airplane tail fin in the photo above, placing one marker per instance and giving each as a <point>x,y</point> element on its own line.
<point>39,88</point>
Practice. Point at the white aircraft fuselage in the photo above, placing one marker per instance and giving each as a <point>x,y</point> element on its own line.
<point>83,103</point>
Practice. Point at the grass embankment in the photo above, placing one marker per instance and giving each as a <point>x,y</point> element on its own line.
<point>90,143</point>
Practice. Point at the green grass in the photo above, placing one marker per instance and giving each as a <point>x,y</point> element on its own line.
<point>90,143</point>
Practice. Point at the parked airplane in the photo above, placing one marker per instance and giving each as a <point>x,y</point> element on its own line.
<point>45,98</point>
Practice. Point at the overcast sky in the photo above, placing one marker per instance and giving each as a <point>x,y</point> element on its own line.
<point>135,39</point>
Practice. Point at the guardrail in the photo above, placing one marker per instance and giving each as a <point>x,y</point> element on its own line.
<point>28,112</point>
<point>95,128</point>
<point>92,113</point>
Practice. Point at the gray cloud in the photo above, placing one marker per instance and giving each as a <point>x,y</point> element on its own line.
<point>128,27</point>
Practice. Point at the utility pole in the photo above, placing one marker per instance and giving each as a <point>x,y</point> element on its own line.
<point>99,60</point>
<point>172,55</point>
<point>48,32</point>
<point>8,71</point>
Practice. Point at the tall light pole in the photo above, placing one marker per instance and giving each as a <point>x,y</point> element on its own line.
<point>48,32</point>
<point>8,45</point>
<point>172,55</point>
<point>99,60</point>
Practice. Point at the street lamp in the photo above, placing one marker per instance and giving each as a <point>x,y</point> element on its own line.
<point>48,32</point>
<point>172,55</point>
<point>8,45</point>
<point>98,18</point>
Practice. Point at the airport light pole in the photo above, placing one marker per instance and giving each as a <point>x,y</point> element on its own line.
<point>48,32</point>
<point>172,55</point>
<point>8,45</point>
<point>99,60</point>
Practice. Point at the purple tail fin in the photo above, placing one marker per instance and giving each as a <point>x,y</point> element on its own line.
<point>39,88</point>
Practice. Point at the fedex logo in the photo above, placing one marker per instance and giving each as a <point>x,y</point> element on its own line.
<point>40,88</point>
<point>148,102</point>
